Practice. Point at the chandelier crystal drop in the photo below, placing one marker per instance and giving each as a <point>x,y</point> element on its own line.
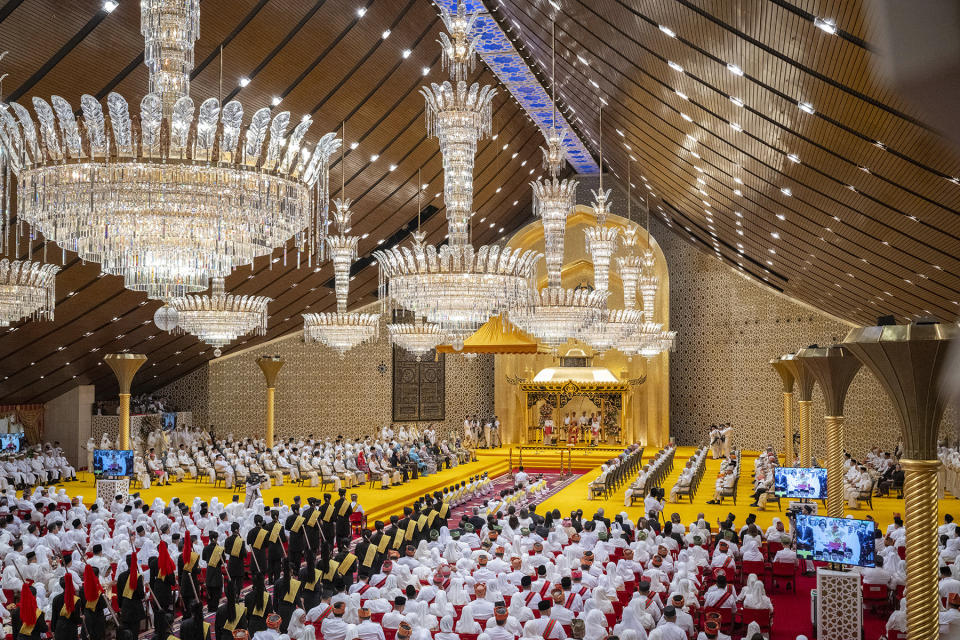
<point>458,47</point>
<point>341,330</point>
<point>554,154</point>
<point>553,201</point>
<point>27,289</point>
<point>417,338</point>
<point>457,287</point>
<point>175,194</point>
<point>219,318</point>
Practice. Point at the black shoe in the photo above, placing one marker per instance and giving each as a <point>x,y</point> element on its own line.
<point>754,504</point>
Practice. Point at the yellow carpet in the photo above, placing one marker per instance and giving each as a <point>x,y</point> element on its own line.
<point>380,504</point>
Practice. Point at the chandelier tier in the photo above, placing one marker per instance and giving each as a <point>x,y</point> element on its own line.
<point>457,287</point>
<point>560,314</point>
<point>176,195</point>
<point>341,330</point>
<point>418,338</point>
<point>219,318</point>
<point>27,289</point>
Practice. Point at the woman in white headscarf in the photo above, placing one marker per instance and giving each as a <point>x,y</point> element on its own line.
<point>753,631</point>
<point>456,594</point>
<point>898,619</point>
<point>599,600</point>
<point>596,626</point>
<point>632,621</point>
<point>757,597</point>
<point>427,619</point>
<point>441,606</point>
<point>504,586</point>
<point>352,613</point>
<point>466,623</point>
<point>391,589</point>
<point>446,629</point>
<point>751,579</point>
<point>519,610</point>
<point>299,629</point>
<point>423,552</point>
<point>451,552</point>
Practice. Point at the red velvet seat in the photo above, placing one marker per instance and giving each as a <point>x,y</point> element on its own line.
<point>760,616</point>
<point>876,596</point>
<point>756,567</point>
<point>785,571</point>
<point>726,618</point>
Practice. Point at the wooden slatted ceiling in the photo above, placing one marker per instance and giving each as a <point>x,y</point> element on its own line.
<point>890,245</point>
<point>322,59</point>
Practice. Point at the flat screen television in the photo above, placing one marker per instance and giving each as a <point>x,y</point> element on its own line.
<point>800,482</point>
<point>169,421</point>
<point>840,540</point>
<point>110,463</point>
<point>11,442</point>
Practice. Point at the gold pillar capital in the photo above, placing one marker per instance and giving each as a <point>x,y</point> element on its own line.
<point>270,365</point>
<point>786,377</point>
<point>801,375</point>
<point>908,360</point>
<point>125,367</point>
<point>834,368</point>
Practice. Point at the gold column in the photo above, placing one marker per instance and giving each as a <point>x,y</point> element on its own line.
<point>125,367</point>
<point>834,466</point>
<point>270,365</point>
<point>805,381</point>
<point>803,411</point>
<point>834,368</point>
<point>909,362</point>
<point>788,457</point>
<point>787,378</point>
<point>920,506</point>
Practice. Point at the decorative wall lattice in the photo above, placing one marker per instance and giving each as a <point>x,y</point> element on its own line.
<point>320,394</point>
<point>729,328</point>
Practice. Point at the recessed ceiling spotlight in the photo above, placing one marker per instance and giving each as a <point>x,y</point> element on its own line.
<point>667,30</point>
<point>781,217</point>
<point>406,53</point>
<point>736,101</point>
<point>583,60</point>
<point>374,157</point>
<point>806,107</point>
<point>736,127</point>
<point>673,65</point>
<point>786,191</point>
<point>385,34</point>
<point>686,117</point>
<point>734,69</point>
<point>276,100</point>
<point>393,167</point>
<point>110,5</point>
<point>244,81</point>
<point>362,11</point>
<point>682,94</point>
<point>792,157</point>
<point>827,25</point>
<point>354,145</point>
<point>426,71</point>
<point>775,235</point>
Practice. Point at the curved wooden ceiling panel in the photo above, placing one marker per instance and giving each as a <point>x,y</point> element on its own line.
<point>849,203</point>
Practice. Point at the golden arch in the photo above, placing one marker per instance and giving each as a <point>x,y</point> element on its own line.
<point>647,406</point>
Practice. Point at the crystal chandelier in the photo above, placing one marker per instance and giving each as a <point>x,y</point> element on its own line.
<point>457,287</point>
<point>341,330</point>
<point>218,319</point>
<point>27,289</point>
<point>418,338</point>
<point>558,314</point>
<point>177,195</point>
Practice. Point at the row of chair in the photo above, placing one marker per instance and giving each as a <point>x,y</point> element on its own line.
<point>616,478</point>
<point>691,489</point>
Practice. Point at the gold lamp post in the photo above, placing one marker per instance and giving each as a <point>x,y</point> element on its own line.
<point>125,366</point>
<point>805,381</point>
<point>834,369</point>
<point>908,360</point>
<point>270,365</point>
<point>787,378</point>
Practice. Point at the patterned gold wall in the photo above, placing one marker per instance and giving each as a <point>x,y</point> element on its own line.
<point>319,393</point>
<point>729,328</point>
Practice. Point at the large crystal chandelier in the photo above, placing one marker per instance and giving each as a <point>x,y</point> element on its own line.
<point>418,338</point>
<point>218,319</point>
<point>457,287</point>
<point>27,289</point>
<point>176,195</point>
<point>341,330</point>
